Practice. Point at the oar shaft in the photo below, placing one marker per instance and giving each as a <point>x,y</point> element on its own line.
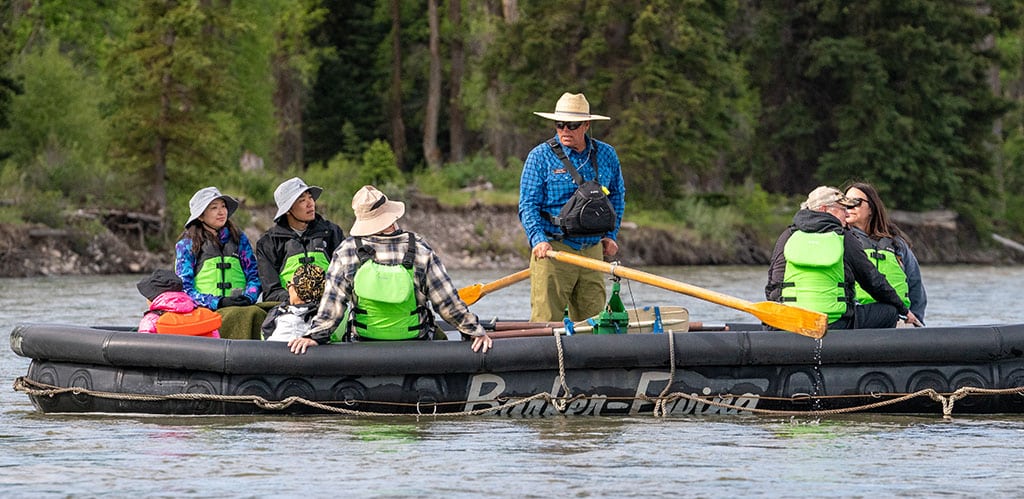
<point>505,281</point>
<point>661,282</point>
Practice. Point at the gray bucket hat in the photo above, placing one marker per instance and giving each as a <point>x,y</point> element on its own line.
<point>201,199</point>
<point>289,191</point>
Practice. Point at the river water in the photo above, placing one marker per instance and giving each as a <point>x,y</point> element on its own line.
<point>849,456</point>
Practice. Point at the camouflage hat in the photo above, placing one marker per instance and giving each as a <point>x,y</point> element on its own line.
<point>824,196</point>
<point>309,283</point>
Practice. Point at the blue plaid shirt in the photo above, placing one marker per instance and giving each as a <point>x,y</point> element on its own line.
<point>546,186</point>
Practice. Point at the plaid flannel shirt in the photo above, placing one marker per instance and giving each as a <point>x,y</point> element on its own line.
<point>432,284</point>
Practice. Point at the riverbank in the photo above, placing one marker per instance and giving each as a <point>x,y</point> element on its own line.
<point>469,237</point>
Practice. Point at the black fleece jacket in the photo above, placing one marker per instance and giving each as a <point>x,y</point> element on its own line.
<point>270,251</point>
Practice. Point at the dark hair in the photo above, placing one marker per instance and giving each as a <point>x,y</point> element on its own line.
<point>196,231</point>
<point>879,225</point>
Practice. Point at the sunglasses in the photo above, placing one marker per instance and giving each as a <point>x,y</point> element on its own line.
<point>856,201</point>
<point>571,125</point>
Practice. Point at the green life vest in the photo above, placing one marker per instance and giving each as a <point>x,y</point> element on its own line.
<point>293,262</point>
<point>815,273</point>
<point>385,297</point>
<point>882,254</point>
<point>219,270</point>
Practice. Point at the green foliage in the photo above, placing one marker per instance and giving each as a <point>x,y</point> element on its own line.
<point>346,88</point>
<point>478,170</point>
<point>379,165</point>
<point>715,104</point>
<point>173,114</point>
<point>895,93</point>
<point>83,28</point>
<point>250,70</point>
<point>663,70</point>
<point>58,103</point>
<point>46,207</point>
<point>340,180</point>
<point>57,135</point>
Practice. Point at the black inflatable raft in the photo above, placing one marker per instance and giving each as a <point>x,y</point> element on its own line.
<point>944,370</point>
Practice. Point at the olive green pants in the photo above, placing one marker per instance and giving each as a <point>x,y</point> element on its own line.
<point>554,284</point>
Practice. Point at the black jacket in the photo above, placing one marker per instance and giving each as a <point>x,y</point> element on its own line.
<point>271,251</point>
<point>857,267</point>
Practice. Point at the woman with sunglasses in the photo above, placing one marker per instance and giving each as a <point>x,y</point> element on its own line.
<point>886,246</point>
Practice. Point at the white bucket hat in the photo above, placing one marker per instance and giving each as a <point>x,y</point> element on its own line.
<point>201,199</point>
<point>572,107</point>
<point>289,191</point>
<point>374,212</point>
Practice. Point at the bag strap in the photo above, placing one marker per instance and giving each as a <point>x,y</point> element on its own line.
<point>560,154</point>
<point>410,254</point>
<point>364,252</point>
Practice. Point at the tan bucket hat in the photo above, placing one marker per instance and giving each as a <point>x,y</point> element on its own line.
<point>572,107</point>
<point>374,212</point>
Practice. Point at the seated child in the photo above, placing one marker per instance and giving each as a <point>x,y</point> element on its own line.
<point>171,311</point>
<point>291,319</point>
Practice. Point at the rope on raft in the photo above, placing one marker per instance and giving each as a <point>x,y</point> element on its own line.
<point>662,401</point>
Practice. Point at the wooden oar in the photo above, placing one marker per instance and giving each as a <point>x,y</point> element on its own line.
<point>472,293</point>
<point>785,317</point>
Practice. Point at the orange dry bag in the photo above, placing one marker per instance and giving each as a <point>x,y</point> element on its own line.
<point>201,321</point>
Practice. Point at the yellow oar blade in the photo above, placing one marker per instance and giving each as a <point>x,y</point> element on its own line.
<point>472,293</point>
<point>787,318</point>
<point>790,318</point>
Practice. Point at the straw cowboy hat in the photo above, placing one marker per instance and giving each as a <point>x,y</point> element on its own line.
<point>201,199</point>
<point>572,107</point>
<point>374,212</point>
<point>289,191</point>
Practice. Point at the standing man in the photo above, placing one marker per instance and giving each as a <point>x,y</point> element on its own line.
<point>817,261</point>
<point>571,199</point>
<point>300,236</point>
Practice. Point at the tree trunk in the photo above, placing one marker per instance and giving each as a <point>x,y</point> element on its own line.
<point>158,198</point>
<point>510,10</point>
<point>495,132</point>
<point>431,152</point>
<point>457,125</point>
<point>288,113</point>
<point>395,99</point>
